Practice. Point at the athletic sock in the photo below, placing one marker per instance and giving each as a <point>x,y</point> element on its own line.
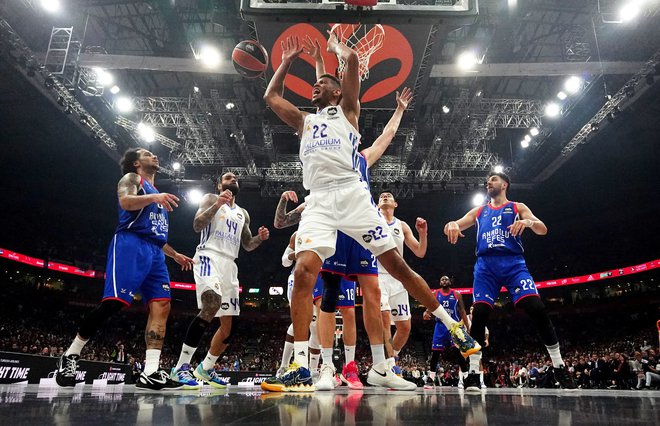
<point>475,362</point>
<point>555,355</point>
<point>326,354</point>
<point>151,361</point>
<point>349,353</point>
<point>186,355</point>
<point>443,316</point>
<point>76,346</point>
<point>286,354</point>
<point>209,361</point>
<point>314,361</point>
<point>300,351</point>
<point>378,354</point>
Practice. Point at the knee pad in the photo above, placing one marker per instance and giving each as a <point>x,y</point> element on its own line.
<point>98,316</point>
<point>330,292</point>
<point>232,331</point>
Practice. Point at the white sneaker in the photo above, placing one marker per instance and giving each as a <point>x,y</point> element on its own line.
<point>327,378</point>
<point>381,375</point>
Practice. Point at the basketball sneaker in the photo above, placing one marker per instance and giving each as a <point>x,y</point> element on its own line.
<point>463,341</point>
<point>471,382</point>
<point>66,370</point>
<point>350,374</point>
<point>564,378</point>
<point>383,376</point>
<point>296,379</point>
<point>185,377</point>
<point>158,380</point>
<point>327,380</point>
<point>210,377</point>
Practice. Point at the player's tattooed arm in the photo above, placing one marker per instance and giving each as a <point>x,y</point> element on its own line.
<point>249,242</point>
<point>208,207</point>
<point>127,192</point>
<point>284,219</point>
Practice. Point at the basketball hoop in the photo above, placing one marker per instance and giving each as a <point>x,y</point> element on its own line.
<point>361,38</point>
<point>360,4</point>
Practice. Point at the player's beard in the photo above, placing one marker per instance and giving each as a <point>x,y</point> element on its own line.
<point>233,188</point>
<point>494,192</point>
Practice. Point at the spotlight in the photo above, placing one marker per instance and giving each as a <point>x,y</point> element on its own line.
<point>479,93</point>
<point>195,89</point>
<point>524,143</point>
<point>467,60</point>
<point>573,85</point>
<point>229,105</point>
<point>498,169</point>
<point>209,56</point>
<point>50,6</point>
<point>562,96</point>
<point>594,127</point>
<point>103,77</point>
<point>146,132</point>
<point>176,165</point>
<point>115,89</point>
<point>194,196</point>
<point>124,104</point>
<point>534,131</point>
<point>478,199</point>
<point>629,11</point>
<point>445,109</point>
<point>552,109</point>
<point>527,138</point>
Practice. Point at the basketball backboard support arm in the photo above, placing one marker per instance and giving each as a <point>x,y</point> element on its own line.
<point>460,12</point>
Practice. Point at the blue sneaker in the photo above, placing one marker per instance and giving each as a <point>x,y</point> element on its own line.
<point>296,379</point>
<point>397,370</point>
<point>210,377</point>
<point>183,377</point>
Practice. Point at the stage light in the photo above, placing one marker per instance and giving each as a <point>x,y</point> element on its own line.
<point>195,89</point>
<point>209,56</point>
<point>552,109</point>
<point>594,127</point>
<point>498,169</point>
<point>146,132</point>
<point>445,109</point>
<point>562,96</point>
<point>467,60</point>
<point>194,196</point>
<point>229,105</point>
<point>534,131</point>
<point>115,89</point>
<point>124,104</point>
<point>478,199</point>
<point>176,165</point>
<point>527,138</point>
<point>512,4</point>
<point>103,77</point>
<point>629,11</point>
<point>524,143</point>
<point>51,6</point>
<point>573,85</point>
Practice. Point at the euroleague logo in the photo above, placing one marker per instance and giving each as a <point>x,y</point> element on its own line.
<point>386,81</point>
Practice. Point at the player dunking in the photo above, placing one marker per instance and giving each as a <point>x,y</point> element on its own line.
<point>394,301</point>
<point>338,200</point>
<point>136,263</point>
<point>452,301</point>
<point>499,251</point>
<point>224,228</point>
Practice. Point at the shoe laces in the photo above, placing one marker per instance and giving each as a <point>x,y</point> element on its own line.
<point>70,367</point>
<point>184,373</point>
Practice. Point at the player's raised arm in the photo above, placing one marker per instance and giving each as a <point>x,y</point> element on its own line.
<point>284,109</point>
<point>350,82</point>
<point>453,229</point>
<point>380,145</point>
<point>313,49</point>
<point>284,219</point>
<point>208,207</point>
<point>418,247</point>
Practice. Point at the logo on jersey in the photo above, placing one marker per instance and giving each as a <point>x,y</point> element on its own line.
<point>396,231</point>
<point>364,263</point>
<point>507,210</point>
<point>239,216</point>
<point>517,290</point>
<point>394,312</point>
<point>299,241</point>
<point>367,238</point>
<point>341,297</point>
<point>332,110</point>
<point>122,291</point>
<point>224,306</point>
<point>166,287</point>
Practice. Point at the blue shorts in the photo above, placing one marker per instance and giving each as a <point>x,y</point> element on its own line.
<point>135,265</point>
<point>441,338</point>
<point>350,259</point>
<point>318,288</point>
<point>493,272</point>
<point>346,294</point>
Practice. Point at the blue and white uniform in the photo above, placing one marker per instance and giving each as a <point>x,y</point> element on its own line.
<point>339,200</point>
<point>346,298</point>
<point>499,256</point>
<point>136,262</point>
<point>350,258</point>
<point>215,267</point>
<point>441,337</point>
<point>393,295</point>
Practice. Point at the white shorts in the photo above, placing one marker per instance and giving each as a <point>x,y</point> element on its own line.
<point>393,297</point>
<point>220,274</point>
<point>349,209</point>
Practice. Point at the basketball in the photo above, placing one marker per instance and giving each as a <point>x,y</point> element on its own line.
<point>250,59</point>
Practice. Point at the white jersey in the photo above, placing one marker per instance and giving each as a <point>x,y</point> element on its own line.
<point>396,229</point>
<point>329,149</point>
<point>223,235</point>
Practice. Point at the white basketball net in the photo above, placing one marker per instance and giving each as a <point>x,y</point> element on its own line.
<point>361,38</point>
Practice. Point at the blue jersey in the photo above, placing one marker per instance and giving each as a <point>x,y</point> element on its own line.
<point>150,223</point>
<point>493,236</point>
<point>448,302</point>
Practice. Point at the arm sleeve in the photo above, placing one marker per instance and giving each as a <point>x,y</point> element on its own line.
<point>286,262</point>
